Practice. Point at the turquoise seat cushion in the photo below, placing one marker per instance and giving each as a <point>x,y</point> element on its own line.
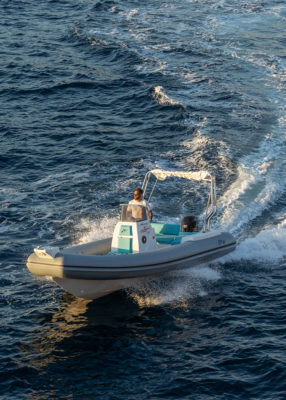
<point>166,229</point>
<point>169,233</point>
<point>168,239</point>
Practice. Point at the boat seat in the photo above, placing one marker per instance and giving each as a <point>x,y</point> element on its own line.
<point>165,229</point>
<point>168,239</point>
<point>169,233</point>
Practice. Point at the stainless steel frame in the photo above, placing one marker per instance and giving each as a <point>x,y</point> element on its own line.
<point>211,204</point>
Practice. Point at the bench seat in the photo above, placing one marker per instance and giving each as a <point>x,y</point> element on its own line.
<point>169,233</point>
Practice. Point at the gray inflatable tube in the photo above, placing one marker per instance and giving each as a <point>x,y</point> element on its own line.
<point>92,262</point>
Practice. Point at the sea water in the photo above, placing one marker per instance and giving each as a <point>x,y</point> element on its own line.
<point>93,95</point>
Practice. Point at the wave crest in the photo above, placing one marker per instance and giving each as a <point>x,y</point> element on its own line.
<point>163,99</point>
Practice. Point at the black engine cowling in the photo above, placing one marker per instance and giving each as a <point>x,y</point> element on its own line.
<point>190,223</point>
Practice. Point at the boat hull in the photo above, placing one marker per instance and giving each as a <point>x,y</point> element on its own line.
<point>92,289</point>
<point>88,271</point>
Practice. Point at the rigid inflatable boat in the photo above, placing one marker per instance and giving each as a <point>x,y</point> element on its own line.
<point>139,249</point>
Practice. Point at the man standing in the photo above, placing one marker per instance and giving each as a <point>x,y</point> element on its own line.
<point>139,201</point>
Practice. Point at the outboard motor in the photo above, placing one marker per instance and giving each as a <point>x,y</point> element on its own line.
<point>190,223</point>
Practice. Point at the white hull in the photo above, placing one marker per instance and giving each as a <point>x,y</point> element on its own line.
<point>93,289</point>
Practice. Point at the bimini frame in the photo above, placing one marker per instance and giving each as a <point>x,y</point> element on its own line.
<point>161,175</point>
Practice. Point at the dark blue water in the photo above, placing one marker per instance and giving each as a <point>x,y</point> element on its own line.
<point>94,94</point>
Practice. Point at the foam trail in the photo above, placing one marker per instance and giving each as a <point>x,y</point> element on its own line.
<point>177,288</point>
<point>94,230</point>
<point>259,183</point>
<point>250,197</point>
<point>199,144</point>
<point>267,246</point>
